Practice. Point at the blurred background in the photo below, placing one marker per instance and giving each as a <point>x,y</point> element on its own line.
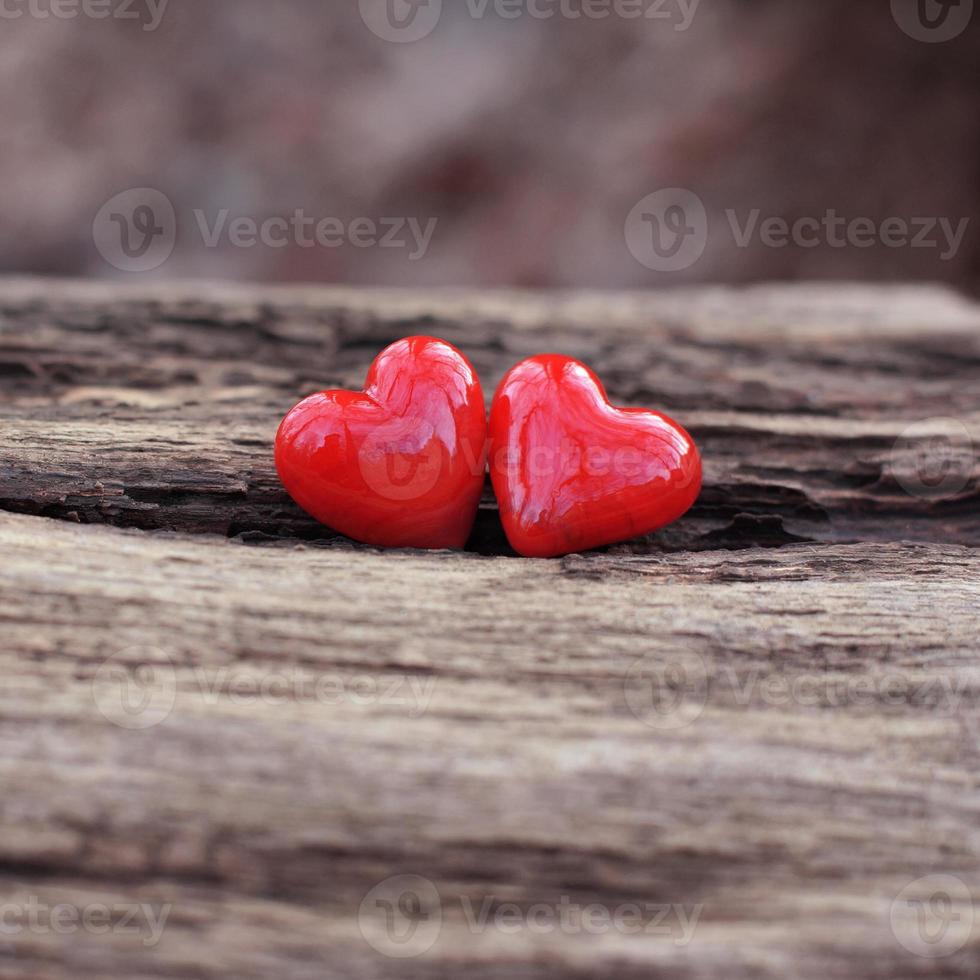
<point>491,142</point>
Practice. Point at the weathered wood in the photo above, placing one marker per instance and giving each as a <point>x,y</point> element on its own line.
<point>157,408</point>
<point>766,744</point>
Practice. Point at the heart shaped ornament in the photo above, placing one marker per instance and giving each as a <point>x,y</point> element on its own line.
<point>572,472</point>
<point>400,464</point>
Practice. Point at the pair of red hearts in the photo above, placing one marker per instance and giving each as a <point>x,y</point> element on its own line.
<point>402,463</point>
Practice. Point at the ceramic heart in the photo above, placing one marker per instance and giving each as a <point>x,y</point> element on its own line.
<point>572,472</point>
<point>399,464</point>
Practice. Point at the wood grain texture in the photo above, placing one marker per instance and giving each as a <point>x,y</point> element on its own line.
<point>157,409</point>
<point>760,728</point>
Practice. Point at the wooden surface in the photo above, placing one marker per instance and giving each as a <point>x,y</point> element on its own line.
<point>760,727</point>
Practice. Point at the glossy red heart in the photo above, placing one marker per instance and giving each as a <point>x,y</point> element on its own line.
<point>400,464</point>
<point>572,472</point>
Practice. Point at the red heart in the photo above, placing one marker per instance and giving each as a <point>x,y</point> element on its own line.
<point>572,472</point>
<point>400,464</point>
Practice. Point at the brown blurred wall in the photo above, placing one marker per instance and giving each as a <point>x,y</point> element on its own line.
<point>528,140</point>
